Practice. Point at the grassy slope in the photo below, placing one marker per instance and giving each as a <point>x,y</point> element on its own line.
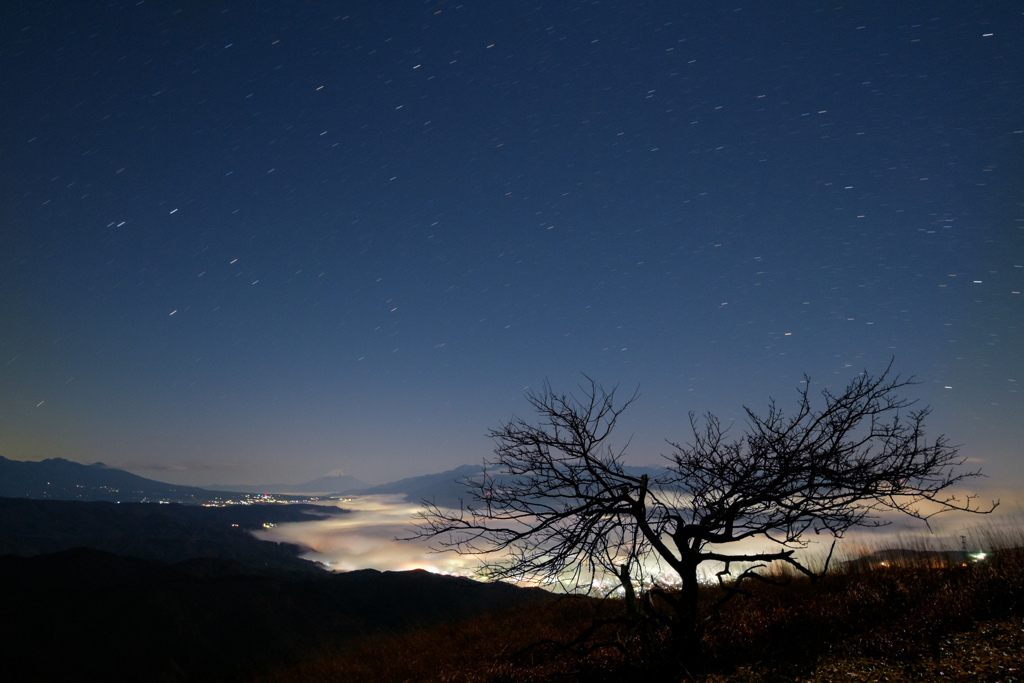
<point>885,624</point>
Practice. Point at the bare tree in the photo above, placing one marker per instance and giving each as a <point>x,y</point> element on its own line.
<point>558,505</point>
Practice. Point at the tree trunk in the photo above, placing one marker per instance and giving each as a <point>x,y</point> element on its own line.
<point>684,624</point>
<point>627,587</point>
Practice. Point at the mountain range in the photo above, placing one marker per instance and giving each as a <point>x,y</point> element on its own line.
<point>60,479</point>
<point>447,489</point>
<point>443,488</point>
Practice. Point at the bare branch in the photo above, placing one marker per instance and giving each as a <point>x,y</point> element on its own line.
<point>556,505</point>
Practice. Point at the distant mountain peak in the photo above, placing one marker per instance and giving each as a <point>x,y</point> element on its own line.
<point>335,473</point>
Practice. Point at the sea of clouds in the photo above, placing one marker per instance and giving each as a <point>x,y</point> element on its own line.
<point>365,538</point>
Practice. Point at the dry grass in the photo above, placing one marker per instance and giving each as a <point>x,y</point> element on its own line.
<point>497,647</point>
<point>897,614</point>
<point>990,652</point>
<point>918,621</point>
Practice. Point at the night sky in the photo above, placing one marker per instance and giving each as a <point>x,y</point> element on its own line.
<point>246,241</point>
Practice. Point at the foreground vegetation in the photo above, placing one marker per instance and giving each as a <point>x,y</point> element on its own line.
<point>915,619</point>
<point>558,501</point>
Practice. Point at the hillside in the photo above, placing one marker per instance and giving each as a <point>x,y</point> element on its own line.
<point>917,624</point>
<point>161,533</point>
<point>89,615</point>
<point>59,479</point>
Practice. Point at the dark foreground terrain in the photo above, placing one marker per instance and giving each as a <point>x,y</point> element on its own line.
<point>189,597</point>
<point>893,624</point>
<point>254,611</point>
<point>163,533</point>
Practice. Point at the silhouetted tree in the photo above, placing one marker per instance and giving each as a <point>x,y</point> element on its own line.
<point>557,504</point>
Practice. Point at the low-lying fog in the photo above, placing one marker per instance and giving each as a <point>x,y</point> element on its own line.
<point>364,538</point>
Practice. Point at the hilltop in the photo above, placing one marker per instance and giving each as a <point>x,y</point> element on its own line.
<point>161,533</point>
<point>85,614</point>
<point>60,479</point>
<point>893,624</point>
